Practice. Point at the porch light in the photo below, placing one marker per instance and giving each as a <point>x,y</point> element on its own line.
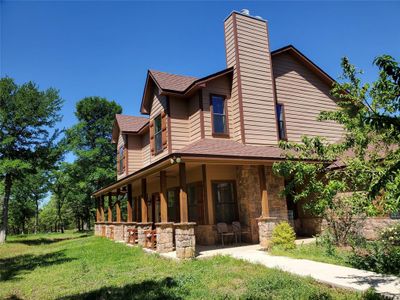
<point>175,160</point>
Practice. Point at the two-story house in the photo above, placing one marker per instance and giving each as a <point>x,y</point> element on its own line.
<point>203,153</point>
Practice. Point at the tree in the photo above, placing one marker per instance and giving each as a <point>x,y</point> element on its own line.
<point>370,152</point>
<point>27,136</point>
<point>90,141</point>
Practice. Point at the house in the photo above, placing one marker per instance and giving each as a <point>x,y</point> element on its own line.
<point>203,152</point>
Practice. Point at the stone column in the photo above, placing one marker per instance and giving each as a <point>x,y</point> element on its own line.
<point>128,225</point>
<point>142,227</point>
<point>165,237</point>
<point>265,227</point>
<point>185,240</point>
<point>108,230</point>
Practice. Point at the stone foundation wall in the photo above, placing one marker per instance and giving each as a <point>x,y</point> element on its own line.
<point>97,229</point>
<point>277,202</point>
<point>118,232</point>
<point>108,230</point>
<point>142,227</point>
<point>185,240</point>
<point>165,237</point>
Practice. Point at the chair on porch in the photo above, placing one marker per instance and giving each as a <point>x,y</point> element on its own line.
<point>132,236</point>
<point>222,230</point>
<point>237,230</point>
<point>151,238</point>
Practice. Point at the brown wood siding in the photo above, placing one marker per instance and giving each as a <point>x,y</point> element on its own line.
<point>135,161</point>
<point>179,123</point>
<point>146,149</point>
<point>194,118</point>
<point>121,143</point>
<point>304,96</point>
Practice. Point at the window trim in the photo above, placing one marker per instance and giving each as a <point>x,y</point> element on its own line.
<point>234,195</point>
<point>156,152</point>
<point>217,134</point>
<point>283,121</point>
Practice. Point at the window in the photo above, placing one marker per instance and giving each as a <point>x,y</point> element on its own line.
<point>121,160</point>
<point>158,134</point>
<point>225,202</point>
<point>173,205</point>
<point>195,202</point>
<point>219,115</point>
<point>281,121</point>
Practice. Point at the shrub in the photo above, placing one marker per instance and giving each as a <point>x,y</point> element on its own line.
<point>283,236</point>
<point>391,235</point>
<point>327,242</point>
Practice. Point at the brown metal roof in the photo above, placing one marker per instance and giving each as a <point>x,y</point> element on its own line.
<point>229,148</point>
<point>173,82</point>
<point>130,123</point>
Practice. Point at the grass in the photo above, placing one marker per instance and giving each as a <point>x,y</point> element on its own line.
<point>314,252</point>
<point>78,266</point>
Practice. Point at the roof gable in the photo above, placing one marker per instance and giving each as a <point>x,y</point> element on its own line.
<point>127,124</point>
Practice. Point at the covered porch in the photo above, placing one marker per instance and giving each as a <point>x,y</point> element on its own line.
<point>184,198</point>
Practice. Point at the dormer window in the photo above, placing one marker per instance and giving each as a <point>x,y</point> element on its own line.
<point>219,117</point>
<point>158,134</point>
<point>280,114</point>
<point>121,160</point>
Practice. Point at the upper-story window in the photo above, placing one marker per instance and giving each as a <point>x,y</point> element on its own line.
<point>158,134</point>
<point>219,117</point>
<point>121,160</point>
<point>281,121</point>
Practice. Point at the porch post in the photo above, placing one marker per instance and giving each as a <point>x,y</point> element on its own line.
<point>102,208</point>
<point>118,208</point>
<point>183,193</point>
<point>97,209</point>
<point>266,224</point>
<point>129,203</point>
<point>109,209</point>
<point>165,230</point>
<point>184,231</point>
<point>144,225</point>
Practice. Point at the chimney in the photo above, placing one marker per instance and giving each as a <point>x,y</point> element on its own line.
<point>253,93</point>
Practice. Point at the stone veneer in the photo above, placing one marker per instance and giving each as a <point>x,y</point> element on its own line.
<point>165,237</point>
<point>265,228</point>
<point>142,227</point>
<point>108,230</point>
<point>128,225</point>
<point>249,198</point>
<point>118,231</point>
<point>97,229</point>
<point>185,240</point>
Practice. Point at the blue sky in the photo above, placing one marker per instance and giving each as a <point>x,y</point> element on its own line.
<point>98,48</point>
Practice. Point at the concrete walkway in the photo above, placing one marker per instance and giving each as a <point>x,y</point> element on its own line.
<point>332,275</point>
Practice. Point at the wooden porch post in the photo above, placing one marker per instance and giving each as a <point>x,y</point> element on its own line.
<point>264,193</point>
<point>118,207</point>
<point>205,194</point>
<point>163,195</point>
<point>97,209</point>
<point>183,193</point>
<point>129,203</point>
<point>102,208</point>
<point>143,201</point>
<point>109,210</point>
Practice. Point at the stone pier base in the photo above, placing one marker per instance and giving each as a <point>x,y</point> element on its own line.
<point>128,225</point>
<point>108,231</point>
<point>118,232</point>
<point>97,229</point>
<point>142,227</point>
<point>265,228</point>
<point>165,237</point>
<point>185,240</point>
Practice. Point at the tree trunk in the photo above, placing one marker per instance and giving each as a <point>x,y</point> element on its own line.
<point>6,199</point>
<point>36,215</point>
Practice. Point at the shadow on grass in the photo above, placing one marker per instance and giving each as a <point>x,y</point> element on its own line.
<point>167,289</point>
<point>11,267</point>
<point>45,241</point>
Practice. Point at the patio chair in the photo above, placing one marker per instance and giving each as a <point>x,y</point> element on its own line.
<point>237,230</point>
<point>151,238</point>
<point>132,236</point>
<point>222,230</point>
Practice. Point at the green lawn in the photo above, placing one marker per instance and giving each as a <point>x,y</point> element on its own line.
<point>314,252</point>
<point>78,266</point>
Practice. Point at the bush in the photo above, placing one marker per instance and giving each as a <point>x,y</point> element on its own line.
<point>283,236</point>
<point>327,242</point>
<point>391,235</point>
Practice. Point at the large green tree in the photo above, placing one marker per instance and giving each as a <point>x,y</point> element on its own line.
<point>27,136</point>
<point>90,141</point>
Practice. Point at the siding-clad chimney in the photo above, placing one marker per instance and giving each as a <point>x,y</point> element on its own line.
<point>253,99</point>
